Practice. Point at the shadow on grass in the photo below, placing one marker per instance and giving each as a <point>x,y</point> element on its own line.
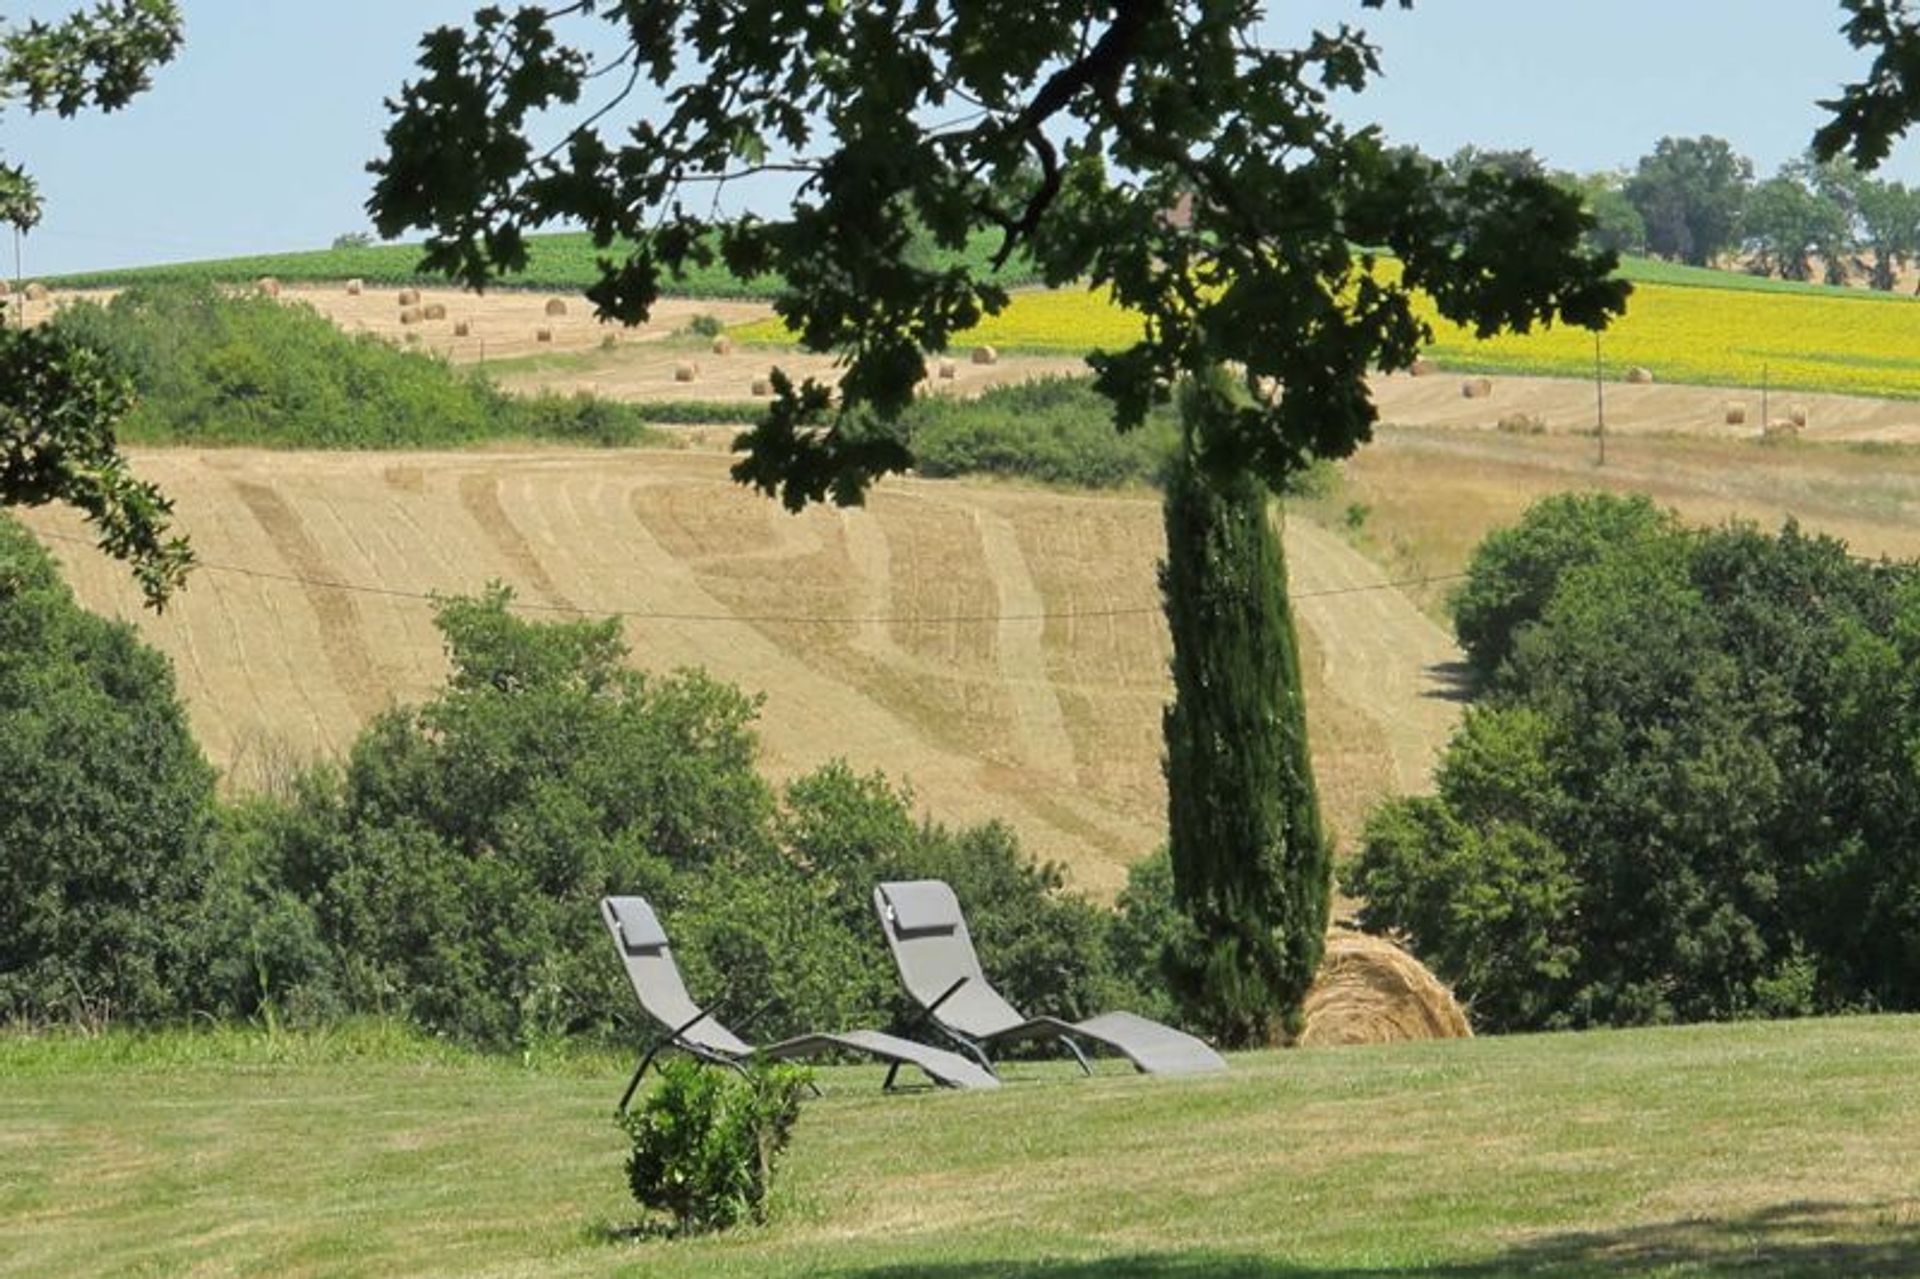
<point>1874,1241</point>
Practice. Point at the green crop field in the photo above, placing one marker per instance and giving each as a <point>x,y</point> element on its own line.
<point>561,261</point>
<point>1775,1149</point>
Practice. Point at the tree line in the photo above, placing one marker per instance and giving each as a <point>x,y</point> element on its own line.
<point>1698,201</point>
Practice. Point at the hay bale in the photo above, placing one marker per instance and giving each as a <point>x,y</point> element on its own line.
<point>723,345</point>
<point>556,306</point>
<point>685,371</point>
<point>1522,424</point>
<point>1422,368</point>
<point>543,334</point>
<point>435,310</point>
<point>1476,388</point>
<point>462,328</point>
<point>1369,991</point>
<point>268,285</point>
<point>411,315</point>
<point>985,355</point>
<point>1640,376</point>
<point>947,370</point>
<point>1798,416</point>
<point>409,297</point>
<point>355,288</point>
<point>762,386</point>
<point>36,292</point>
<point>1736,413</point>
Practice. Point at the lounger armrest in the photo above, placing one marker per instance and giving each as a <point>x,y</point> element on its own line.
<point>947,994</point>
<point>690,1023</point>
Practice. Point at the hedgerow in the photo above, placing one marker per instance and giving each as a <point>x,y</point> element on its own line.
<point>212,367</point>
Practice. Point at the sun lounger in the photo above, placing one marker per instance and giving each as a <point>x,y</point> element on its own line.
<point>934,953</point>
<point>656,980</point>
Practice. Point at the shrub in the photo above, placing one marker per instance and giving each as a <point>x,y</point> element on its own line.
<point>706,1141</point>
<point>1686,798</point>
<point>1513,572</point>
<point>105,805</point>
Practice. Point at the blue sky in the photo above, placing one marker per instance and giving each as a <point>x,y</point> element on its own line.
<point>256,138</point>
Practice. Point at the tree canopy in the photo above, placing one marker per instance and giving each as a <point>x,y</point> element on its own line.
<point>1164,152</point>
<point>1690,193</point>
<point>59,400</point>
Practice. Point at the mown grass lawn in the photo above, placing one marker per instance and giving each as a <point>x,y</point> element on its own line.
<point>1781,1149</point>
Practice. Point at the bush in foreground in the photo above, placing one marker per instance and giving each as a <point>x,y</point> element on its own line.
<point>706,1140</point>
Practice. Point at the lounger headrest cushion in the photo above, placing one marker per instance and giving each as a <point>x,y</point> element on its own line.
<point>922,907</point>
<point>639,926</point>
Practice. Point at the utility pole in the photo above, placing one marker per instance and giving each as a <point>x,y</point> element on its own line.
<point>1599,402</point>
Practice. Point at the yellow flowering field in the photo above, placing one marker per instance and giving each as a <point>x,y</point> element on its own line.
<point>1865,344</point>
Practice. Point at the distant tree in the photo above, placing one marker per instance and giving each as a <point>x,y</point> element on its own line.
<point>1889,221</point>
<point>59,402</point>
<point>1617,224</point>
<point>1468,160</point>
<point>353,240</point>
<point>1690,192</point>
<point>1786,222</point>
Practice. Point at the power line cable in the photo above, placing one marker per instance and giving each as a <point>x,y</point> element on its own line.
<point>846,619</point>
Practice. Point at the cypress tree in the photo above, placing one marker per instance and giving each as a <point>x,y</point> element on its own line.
<point>1250,864</point>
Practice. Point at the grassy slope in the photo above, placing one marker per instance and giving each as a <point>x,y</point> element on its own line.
<point>1759,1149</point>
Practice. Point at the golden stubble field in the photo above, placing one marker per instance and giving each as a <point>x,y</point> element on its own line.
<point>1001,648</point>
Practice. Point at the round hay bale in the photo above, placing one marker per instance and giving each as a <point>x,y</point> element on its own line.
<point>410,315</point>
<point>1798,416</point>
<point>435,310</point>
<point>723,345</point>
<point>1640,376</point>
<point>543,334</point>
<point>355,288</point>
<point>268,285</point>
<point>762,386</point>
<point>1736,413</point>
<point>1422,368</point>
<point>1476,388</point>
<point>685,371</point>
<point>948,370</point>
<point>556,306</point>
<point>1369,991</point>
<point>409,297</point>
<point>462,328</point>
<point>985,355</point>
<point>36,292</point>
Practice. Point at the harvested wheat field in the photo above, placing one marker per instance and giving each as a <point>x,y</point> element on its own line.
<point>1001,648</point>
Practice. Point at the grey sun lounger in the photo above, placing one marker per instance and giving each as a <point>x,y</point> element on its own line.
<point>934,953</point>
<point>656,980</point>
